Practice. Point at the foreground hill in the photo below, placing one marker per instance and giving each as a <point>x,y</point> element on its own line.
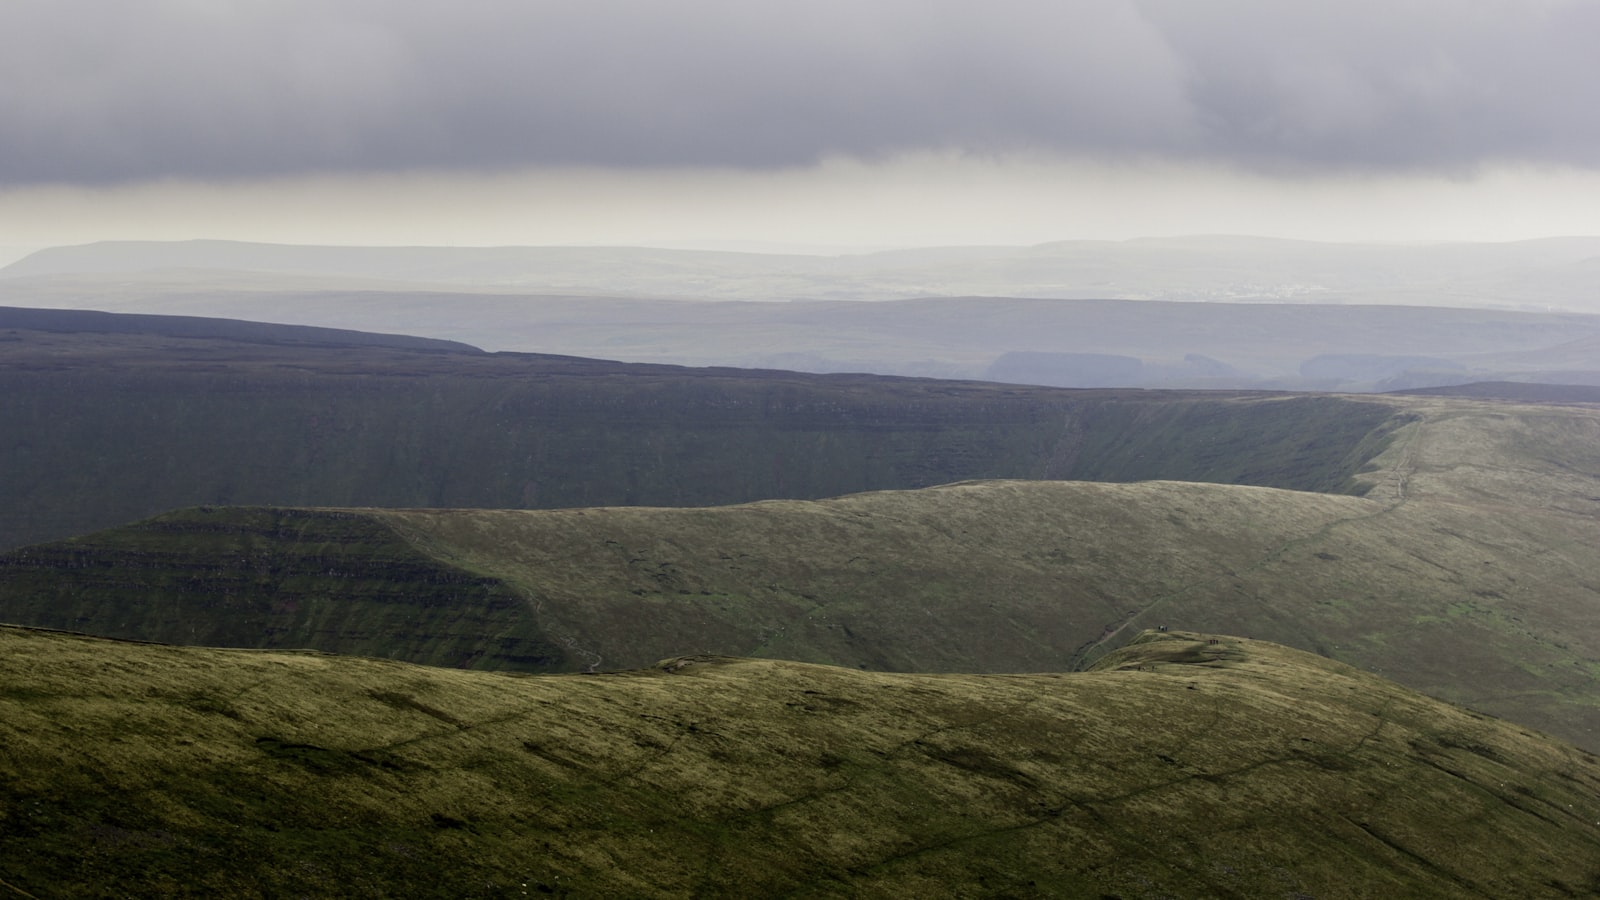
<point>106,426</point>
<point>1181,765</point>
<point>1467,571</point>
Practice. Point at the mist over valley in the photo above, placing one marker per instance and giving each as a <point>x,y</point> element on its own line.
<point>1225,313</point>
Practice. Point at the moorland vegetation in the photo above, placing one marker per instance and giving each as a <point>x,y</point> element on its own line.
<point>802,635</point>
<point>1181,765</point>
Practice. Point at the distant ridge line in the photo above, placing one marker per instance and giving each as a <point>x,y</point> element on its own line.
<point>73,321</point>
<point>1519,391</point>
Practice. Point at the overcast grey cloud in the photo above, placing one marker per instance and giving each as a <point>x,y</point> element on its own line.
<point>100,91</point>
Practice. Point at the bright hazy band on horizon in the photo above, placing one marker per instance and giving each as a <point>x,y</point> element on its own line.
<point>833,125</point>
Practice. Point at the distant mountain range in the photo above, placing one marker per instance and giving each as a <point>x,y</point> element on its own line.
<point>1553,274</point>
<point>1186,313</point>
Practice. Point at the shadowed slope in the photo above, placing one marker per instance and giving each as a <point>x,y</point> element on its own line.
<point>1181,766</point>
<point>17,321</point>
<point>102,429</point>
<point>282,578</point>
<point>1493,611</point>
<point>1467,571</point>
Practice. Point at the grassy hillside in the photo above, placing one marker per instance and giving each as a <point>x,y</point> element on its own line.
<point>1181,765</point>
<point>102,429</point>
<point>1466,571</point>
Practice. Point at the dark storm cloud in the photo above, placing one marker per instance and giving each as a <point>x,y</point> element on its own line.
<point>1405,84</point>
<point>129,89</point>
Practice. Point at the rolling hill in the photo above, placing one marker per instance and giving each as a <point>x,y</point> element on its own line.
<point>1180,765</point>
<point>814,695</point>
<point>120,420</point>
<point>1466,570</point>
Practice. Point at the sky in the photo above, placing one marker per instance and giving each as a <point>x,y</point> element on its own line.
<point>828,125</point>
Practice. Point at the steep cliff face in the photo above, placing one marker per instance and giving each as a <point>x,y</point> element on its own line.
<point>245,577</point>
<point>99,433</point>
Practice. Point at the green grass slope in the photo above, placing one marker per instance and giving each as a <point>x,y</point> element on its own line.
<point>1181,766</point>
<point>1468,570</point>
<point>1485,602</point>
